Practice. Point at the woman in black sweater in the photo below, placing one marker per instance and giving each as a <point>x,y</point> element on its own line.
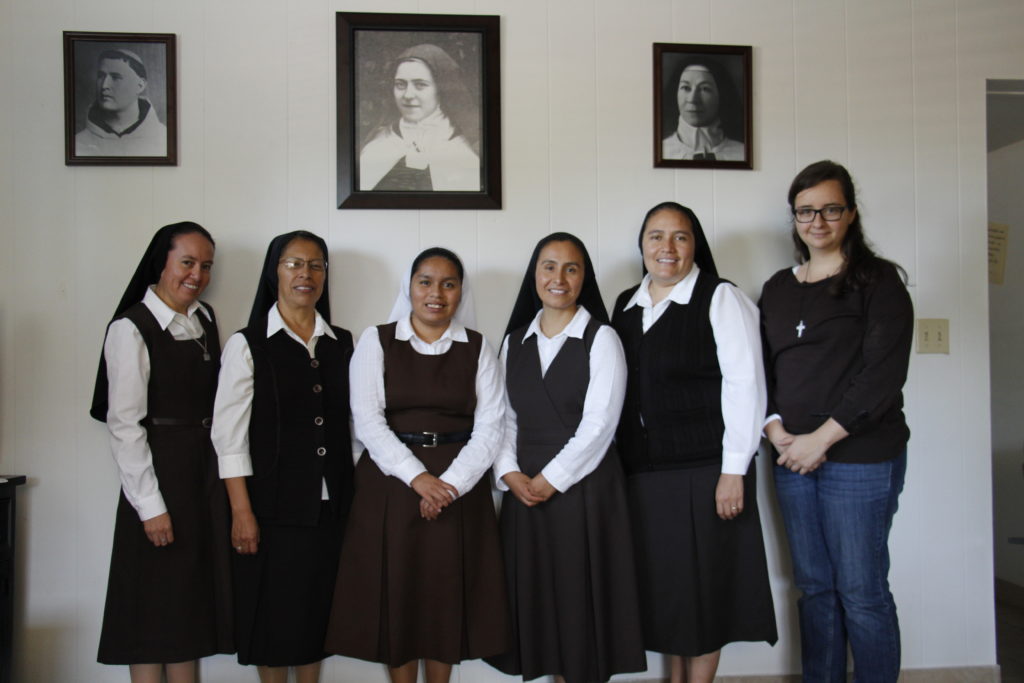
<point>837,330</point>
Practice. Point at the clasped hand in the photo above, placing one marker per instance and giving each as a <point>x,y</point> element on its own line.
<point>800,453</point>
<point>529,491</point>
<point>435,494</point>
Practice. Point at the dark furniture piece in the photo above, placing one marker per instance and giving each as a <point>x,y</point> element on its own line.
<point>7,526</point>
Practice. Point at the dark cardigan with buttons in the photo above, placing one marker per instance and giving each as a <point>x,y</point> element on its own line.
<point>299,427</point>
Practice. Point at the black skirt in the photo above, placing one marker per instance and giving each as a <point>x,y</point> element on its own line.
<point>572,584</point>
<point>172,603</point>
<point>703,580</point>
<point>283,592</point>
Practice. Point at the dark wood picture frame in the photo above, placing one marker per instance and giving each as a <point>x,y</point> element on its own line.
<point>465,51</point>
<point>683,139</point>
<point>147,58</point>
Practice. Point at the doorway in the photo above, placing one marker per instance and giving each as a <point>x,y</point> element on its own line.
<point>1005,136</point>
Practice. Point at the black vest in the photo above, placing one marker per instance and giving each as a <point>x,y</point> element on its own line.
<point>672,415</point>
<point>548,408</point>
<point>299,427</point>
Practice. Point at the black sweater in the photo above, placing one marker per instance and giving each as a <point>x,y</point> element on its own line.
<point>849,362</point>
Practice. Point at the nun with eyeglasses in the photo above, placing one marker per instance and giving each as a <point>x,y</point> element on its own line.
<point>281,430</point>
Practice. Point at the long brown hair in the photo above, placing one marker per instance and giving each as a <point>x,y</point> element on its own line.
<point>860,262</point>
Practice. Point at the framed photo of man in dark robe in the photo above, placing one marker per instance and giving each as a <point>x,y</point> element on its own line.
<point>419,121</point>
<point>703,111</point>
<point>120,99</point>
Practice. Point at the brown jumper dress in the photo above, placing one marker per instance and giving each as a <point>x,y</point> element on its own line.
<point>409,588</point>
<point>173,604</point>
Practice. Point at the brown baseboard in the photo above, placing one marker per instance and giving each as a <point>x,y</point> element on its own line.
<point>963,674</point>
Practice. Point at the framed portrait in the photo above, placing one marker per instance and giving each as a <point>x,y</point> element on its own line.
<point>419,111</point>
<point>120,99</point>
<point>703,109</point>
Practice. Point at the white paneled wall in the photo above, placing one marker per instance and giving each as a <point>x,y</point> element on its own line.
<point>894,89</point>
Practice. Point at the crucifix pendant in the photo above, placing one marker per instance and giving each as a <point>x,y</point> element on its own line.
<point>800,329</point>
<point>206,356</point>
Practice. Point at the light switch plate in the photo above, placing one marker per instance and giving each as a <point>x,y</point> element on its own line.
<point>933,335</point>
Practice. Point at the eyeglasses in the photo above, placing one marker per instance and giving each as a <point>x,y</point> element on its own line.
<point>317,265</point>
<point>829,213</point>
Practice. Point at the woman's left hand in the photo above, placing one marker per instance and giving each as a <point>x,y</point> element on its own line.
<point>729,496</point>
<point>428,511</point>
<point>807,451</point>
<point>541,488</point>
<point>159,530</point>
<point>805,454</point>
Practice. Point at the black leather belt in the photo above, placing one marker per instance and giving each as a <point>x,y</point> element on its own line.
<point>176,422</point>
<point>432,439</point>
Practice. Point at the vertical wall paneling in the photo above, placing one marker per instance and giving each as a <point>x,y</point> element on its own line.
<point>934,201</point>
<point>894,89</point>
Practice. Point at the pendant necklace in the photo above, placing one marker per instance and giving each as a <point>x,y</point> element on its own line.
<point>800,326</point>
<point>201,340</point>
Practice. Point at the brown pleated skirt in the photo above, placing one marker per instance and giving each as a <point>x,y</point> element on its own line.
<point>409,588</point>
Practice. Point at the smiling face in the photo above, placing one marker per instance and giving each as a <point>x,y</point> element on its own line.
<point>435,291</point>
<point>415,91</point>
<point>118,87</point>
<point>300,287</point>
<point>819,235</point>
<point>186,272</point>
<point>668,247</point>
<point>697,96</point>
<point>559,275</point>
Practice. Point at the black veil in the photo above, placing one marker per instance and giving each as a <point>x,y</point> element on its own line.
<point>528,303</point>
<point>702,249</point>
<point>266,291</point>
<point>147,273</point>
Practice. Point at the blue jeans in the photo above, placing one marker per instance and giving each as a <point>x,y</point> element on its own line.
<point>837,520</point>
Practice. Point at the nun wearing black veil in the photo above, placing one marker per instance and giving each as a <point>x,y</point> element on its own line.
<point>168,595</point>
<point>564,516</point>
<point>281,430</point>
<point>690,427</point>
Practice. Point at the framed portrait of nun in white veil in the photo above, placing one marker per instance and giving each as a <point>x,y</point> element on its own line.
<point>418,111</point>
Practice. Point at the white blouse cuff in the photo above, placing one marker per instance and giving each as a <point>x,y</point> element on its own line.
<point>735,463</point>
<point>503,466</point>
<point>409,469</point>
<point>457,482</point>
<point>234,465</point>
<point>557,476</point>
<point>150,506</point>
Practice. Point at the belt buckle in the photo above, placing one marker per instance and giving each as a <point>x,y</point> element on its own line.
<point>433,437</point>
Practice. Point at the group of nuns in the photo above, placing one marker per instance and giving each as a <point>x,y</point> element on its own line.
<point>292,496</point>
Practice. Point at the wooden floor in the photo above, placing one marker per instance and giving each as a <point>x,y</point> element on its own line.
<point>1010,641</point>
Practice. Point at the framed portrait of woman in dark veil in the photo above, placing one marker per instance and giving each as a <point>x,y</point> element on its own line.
<point>703,109</point>
<point>419,121</point>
